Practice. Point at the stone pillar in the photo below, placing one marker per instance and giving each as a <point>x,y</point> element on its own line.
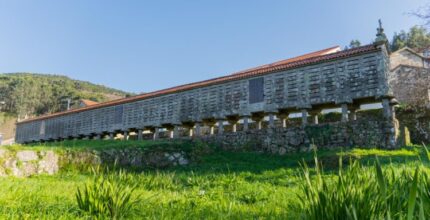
<point>283,115</point>
<point>234,127</point>
<point>271,120</point>
<point>387,109</point>
<point>233,120</point>
<point>284,122</point>
<point>259,124</point>
<point>391,122</point>
<point>212,129</point>
<point>125,134</point>
<point>156,133</point>
<point>304,117</point>
<point>97,137</point>
<point>353,114</point>
<point>314,116</point>
<point>258,118</point>
<point>111,136</point>
<point>175,132</point>
<point>139,134</point>
<point>353,111</point>
<point>245,122</point>
<point>197,129</point>
<point>344,112</point>
<point>220,126</point>
<point>191,131</point>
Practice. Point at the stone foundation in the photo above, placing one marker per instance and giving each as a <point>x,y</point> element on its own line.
<point>360,133</point>
<point>24,163</point>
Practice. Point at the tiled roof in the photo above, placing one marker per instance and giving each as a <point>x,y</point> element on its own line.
<point>328,54</point>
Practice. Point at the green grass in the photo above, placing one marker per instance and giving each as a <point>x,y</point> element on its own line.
<point>222,185</point>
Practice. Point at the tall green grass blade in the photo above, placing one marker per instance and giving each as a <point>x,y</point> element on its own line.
<point>380,178</point>
<point>427,151</point>
<point>421,213</point>
<point>413,195</point>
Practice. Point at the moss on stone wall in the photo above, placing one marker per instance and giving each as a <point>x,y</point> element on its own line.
<point>320,135</point>
<point>417,121</point>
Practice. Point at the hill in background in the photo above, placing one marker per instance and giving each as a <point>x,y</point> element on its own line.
<point>25,95</point>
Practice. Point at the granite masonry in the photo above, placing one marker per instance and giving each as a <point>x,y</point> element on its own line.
<point>245,101</point>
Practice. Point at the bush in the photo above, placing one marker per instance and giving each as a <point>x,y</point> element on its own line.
<point>108,195</point>
<point>360,192</point>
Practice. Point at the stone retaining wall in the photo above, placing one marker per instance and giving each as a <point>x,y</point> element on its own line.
<point>24,163</point>
<point>362,133</point>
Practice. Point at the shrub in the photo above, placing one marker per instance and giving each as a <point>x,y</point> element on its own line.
<point>360,192</point>
<point>108,195</point>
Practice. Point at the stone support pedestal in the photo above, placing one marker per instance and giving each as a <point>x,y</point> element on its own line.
<point>353,112</point>
<point>197,129</point>
<point>283,116</point>
<point>139,134</point>
<point>258,118</point>
<point>156,134</point>
<point>314,115</point>
<point>97,137</point>
<point>344,112</point>
<point>387,110</point>
<point>233,120</point>
<point>392,124</point>
<point>210,123</point>
<point>125,136</point>
<point>304,117</point>
<point>271,120</point>
<point>173,131</point>
<point>245,122</point>
<point>220,126</point>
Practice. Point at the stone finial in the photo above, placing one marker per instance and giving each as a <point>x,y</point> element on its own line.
<point>380,35</point>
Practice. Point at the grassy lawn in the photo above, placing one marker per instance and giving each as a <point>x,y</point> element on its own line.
<point>223,185</point>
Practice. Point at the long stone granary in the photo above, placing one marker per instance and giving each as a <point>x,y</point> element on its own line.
<point>330,77</point>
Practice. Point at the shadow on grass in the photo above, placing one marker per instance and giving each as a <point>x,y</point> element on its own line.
<point>236,162</point>
<point>225,162</point>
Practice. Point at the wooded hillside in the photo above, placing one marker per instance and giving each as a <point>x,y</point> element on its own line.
<point>26,94</point>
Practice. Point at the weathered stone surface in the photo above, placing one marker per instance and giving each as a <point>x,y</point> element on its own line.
<point>346,79</point>
<point>49,163</point>
<point>363,133</point>
<point>27,155</point>
<point>411,85</point>
<point>27,162</point>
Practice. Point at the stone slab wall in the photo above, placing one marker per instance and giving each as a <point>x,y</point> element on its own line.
<point>406,57</point>
<point>415,121</point>
<point>411,85</point>
<point>27,162</point>
<point>362,133</point>
<point>344,80</point>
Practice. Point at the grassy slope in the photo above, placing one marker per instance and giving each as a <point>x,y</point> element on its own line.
<point>239,185</point>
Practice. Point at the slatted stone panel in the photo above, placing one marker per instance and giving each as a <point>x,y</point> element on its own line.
<point>337,81</point>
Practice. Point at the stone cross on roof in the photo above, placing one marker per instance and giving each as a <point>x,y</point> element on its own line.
<point>380,35</point>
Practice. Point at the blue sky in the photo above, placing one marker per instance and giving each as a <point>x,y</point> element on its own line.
<point>142,46</point>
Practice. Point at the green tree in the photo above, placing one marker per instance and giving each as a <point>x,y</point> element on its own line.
<point>354,44</point>
<point>416,38</point>
<point>27,94</point>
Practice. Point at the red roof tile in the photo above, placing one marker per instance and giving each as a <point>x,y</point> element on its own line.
<point>307,59</point>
